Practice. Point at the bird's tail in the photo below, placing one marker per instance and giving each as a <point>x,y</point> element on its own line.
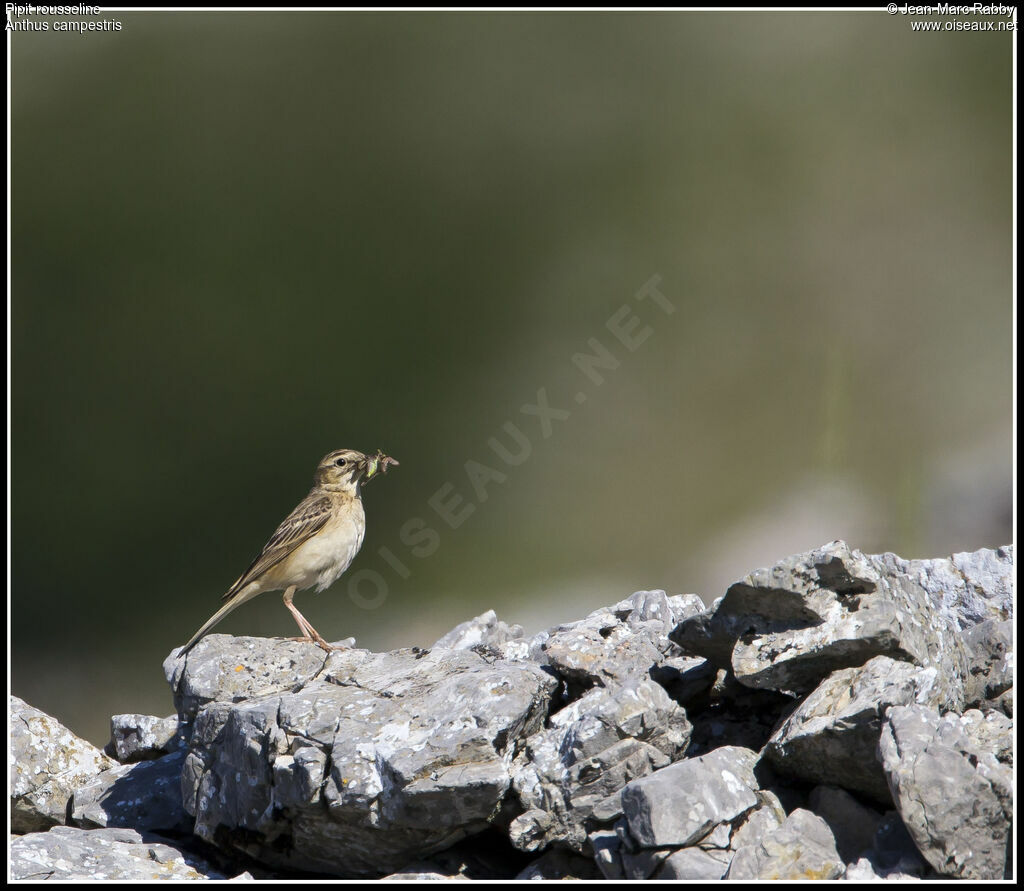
<point>235,601</point>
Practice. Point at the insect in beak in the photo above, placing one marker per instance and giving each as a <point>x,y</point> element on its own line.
<point>378,463</point>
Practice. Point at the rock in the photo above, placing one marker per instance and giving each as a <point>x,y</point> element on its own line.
<point>990,731</point>
<point>1004,702</point>
<point>145,796</point>
<point>683,606</point>
<point>965,589</point>
<point>752,828</point>
<point>378,760</point>
<point>893,854</point>
<point>641,864</point>
<point>69,854</point>
<point>232,669</point>
<point>788,627</point>
<point>953,794</point>
<point>143,737</point>
<point>569,775</point>
<point>832,736</point>
<point>618,642</point>
<point>865,870</point>
<point>595,748</point>
<point>606,845</point>
<point>695,864</point>
<point>47,764</point>
<point>486,630</point>
<point>801,848</point>
<point>989,646</point>
<point>735,715</point>
<point>719,837</point>
<point>686,678</point>
<point>853,824</point>
<point>680,804</point>
<point>422,871</point>
<point>486,856</point>
<point>558,863</point>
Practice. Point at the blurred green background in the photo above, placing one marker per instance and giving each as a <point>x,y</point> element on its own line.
<point>243,240</point>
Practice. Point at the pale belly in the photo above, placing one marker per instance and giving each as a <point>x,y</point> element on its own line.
<point>321,559</point>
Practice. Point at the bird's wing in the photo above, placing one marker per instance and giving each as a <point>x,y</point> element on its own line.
<point>300,525</point>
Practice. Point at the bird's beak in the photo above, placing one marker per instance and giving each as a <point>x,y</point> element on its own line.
<point>378,464</point>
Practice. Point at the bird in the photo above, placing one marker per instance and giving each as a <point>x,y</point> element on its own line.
<point>314,544</point>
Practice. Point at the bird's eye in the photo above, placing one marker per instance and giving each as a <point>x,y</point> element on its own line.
<point>341,462</point>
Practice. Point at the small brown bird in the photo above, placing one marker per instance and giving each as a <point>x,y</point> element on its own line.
<point>315,543</point>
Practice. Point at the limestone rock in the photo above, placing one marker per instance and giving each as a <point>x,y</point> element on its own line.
<point>373,761</point>
<point>801,848</point>
<point>145,796</point>
<point>789,626</point>
<point>570,774</point>
<point>679,805</point>
<point>485,630</point>
<point>951,790</point>
<point>695,864</point>
<point>989,646</point>
<point>832,736</point>
<point>124,855</point>
<point>618,642</point>
<point>655,738</point>
<point>47,764</point>
<point>143,737</point>
<point>231,669</point>
<point>853,824</point>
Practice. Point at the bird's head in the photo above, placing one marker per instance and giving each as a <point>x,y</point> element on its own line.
<point>344,470</point>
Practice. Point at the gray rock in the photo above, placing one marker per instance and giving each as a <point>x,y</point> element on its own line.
<point>484,857</point>
<point>558,863</point>
<point>143,737</point>
<point>642,864</point>
<point>864,869</point>
<point>615,643</point>
<point>683,606</point>
<point>423,871</point>
<point>965,589</point>
<point>952,792</point>
<point>569,775</point>
<point>832,736</point>
<point>768,816</point>
<point>719,837</point>
<point>606,845</point>
<point>66,853</point>
<point>991,731</point>
<point>801,848</point>
<point>789,626</point>
<point>575,744</point>
<point>360,764</point>
<point>989,647</point>
<point>222,668</point>
<point>892,856</point>
<point>735,715</point>
<point>145,796</point>
<point>680,804</point>
<point>853,824</point>
<point>485,630</point>
<point>686,678</point>
<point>1004,702</point>
<point>368,763</point>
<point>695,864</point>
<point>47,764</point>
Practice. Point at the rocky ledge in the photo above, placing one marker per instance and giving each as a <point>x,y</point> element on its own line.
<point>837,715</point>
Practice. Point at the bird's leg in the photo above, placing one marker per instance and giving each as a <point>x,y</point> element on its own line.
<point>308,631</point>
<point>300,619</point>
